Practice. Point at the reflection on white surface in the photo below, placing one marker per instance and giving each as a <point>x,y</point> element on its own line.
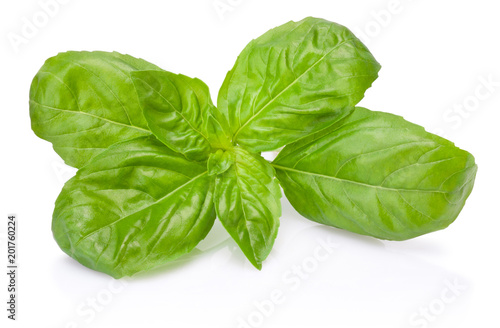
<point>320,270</point>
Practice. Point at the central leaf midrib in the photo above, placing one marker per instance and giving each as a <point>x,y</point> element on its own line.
<point>288,86</point>
<point>91,115</point>
<point>143,208</point>
<point>284,168</point>
<point>242,201</point>
<point>178,111</point>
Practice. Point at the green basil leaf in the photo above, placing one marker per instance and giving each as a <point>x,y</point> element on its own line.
<point>376,174</point>
<point>294,80</point>
<point>180,112</point>
<point>83,102</point>
<point>247,201</point>
<point>135,206</point>
<point>219,162</point>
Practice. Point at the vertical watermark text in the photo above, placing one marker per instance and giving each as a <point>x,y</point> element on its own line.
<point>12,271</point>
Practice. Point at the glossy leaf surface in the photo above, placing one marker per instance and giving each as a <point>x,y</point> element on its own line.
<point>247,201</point>
<point>134,207</point>
<point>180,112</point>
<point>220,161</point>
<point>294,80</point>
<point>83,102</point>
<point>376,174</point>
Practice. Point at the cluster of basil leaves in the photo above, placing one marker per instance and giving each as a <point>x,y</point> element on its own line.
<point>158,161</point>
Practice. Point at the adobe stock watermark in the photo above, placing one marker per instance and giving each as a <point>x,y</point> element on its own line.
<point>380,19</point>
<point>62,171</point>
<point>292,280</point>
<point>430,312</point>
<point>87,310</point>
<point>463,109</point>
<point>223,7</point>
<point>33,24</point>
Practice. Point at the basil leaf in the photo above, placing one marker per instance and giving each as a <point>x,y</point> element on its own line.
<point>83,102</point>
<point>247,201</point>
<point>376,174</point>
<point>219,162</point>
<point>294,80</point>
<point>179,112</point>
<point>134,207</point>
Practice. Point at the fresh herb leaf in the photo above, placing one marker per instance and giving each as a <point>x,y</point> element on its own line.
<point>158,160</point>
<point>247,201</point>
<point>376,174</point>
<point>220,161</point>
<point>294,80</point>
<point>135,206</point>
<point>83,102</point>
<point>179,111</point>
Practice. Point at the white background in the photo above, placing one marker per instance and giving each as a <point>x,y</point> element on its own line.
<point>434,56</point>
